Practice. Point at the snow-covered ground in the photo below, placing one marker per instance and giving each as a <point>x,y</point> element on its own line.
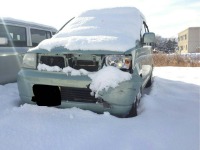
<point>168,120</point>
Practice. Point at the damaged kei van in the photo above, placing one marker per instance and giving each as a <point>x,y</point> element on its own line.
<point>100,61</point>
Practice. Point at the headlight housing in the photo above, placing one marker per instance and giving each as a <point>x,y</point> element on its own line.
<point>29,61</point>
<point>119,61</point>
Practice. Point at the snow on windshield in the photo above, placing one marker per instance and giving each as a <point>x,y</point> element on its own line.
<point>114,29</point>
<point>101,80</point>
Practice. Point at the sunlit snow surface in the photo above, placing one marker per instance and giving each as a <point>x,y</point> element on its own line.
<point>168,120</point>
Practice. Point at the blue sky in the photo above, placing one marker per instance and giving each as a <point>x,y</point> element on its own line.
<point>166,18</point>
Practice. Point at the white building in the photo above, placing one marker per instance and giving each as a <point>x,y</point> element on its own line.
<point>189,40</point>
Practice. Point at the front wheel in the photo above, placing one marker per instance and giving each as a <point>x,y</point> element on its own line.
<point>133,112</point>
<point>149,83</point>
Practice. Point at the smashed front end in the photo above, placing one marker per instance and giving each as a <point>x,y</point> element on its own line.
<point>96,82</point>
<point>85,64</point>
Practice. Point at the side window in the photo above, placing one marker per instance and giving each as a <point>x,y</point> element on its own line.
<point>16,35</point>
<point>39,35</point>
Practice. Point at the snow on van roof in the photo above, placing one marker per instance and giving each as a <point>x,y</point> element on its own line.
<point>113,29</point>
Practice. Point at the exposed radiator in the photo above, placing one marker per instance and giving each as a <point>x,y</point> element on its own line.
<point>77,94</point>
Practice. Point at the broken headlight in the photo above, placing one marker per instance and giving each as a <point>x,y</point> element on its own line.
<point>119,61</point>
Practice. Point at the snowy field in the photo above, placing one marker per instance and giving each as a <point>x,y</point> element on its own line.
<point>168,120</point>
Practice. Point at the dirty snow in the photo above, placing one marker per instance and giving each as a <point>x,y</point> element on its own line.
<point>114,29</point>
<point>168,120</point>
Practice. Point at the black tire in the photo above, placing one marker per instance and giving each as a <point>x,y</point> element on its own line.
<point>149,83</point>
<point>133,111</point>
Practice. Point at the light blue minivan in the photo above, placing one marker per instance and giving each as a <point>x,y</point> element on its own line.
<point>16,37</point>
<point>100,61</point>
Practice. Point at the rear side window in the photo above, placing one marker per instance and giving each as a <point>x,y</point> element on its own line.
<point>16,35</point>
<point>39,35</point>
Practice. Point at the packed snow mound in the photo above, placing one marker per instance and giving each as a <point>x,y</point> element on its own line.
<point>113,29</point>
<point>106,78</point>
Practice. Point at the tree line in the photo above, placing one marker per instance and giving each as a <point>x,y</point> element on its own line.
<point>166,45</point>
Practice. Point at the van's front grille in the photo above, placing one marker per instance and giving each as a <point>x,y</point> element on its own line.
<point>77,94</point>
<point>63,61</point>
<point>53,61</point>
<point>86,64</point>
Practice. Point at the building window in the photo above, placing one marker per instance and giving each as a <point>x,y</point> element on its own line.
<point>185,37</point>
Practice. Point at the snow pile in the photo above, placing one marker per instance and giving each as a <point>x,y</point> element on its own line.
<point>43,67</point>
<point>68,70</point>
<point>168,120</point>
<point>102,80</point>
<point>74,72</point>
<point>106,78</point>
<point>113,29</point>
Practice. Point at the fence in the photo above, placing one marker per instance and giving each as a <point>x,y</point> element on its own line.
<point>182,60</point>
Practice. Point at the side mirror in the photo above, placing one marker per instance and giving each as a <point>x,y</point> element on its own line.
<point>3,41</point>
<point>149,38</point>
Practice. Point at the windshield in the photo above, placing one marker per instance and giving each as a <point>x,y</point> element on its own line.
<point>107,22</point>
